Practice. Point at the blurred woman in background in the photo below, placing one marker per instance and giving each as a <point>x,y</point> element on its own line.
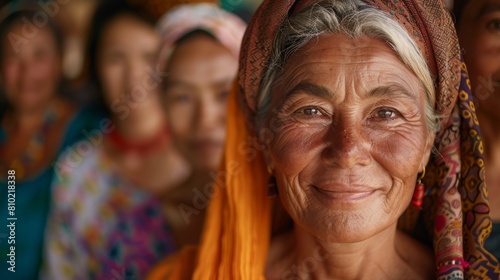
<point>128,162</point>
<point>36,125</point>
<point>478,25</point>
<point>198,58</point>
<point>201,44</point>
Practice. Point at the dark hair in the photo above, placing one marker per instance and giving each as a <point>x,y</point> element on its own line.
<point>458,8</point>
<point>105,13</point>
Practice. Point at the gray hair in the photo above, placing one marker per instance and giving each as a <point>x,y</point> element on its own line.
<point>354,19</point>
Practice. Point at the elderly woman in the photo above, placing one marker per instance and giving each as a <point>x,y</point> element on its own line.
<point>478,24</point>
<point>344,97</point>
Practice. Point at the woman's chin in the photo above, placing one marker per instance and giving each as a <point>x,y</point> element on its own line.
<point>352,232</point>
<point>346,222</point>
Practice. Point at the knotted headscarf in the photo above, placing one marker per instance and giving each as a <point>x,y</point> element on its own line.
<point>227,28</point>
<point>455,217</point>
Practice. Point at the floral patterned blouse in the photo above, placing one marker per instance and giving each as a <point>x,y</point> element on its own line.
<point>100,225</point>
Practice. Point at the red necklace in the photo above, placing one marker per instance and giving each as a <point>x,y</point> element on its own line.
<point>141,147</point>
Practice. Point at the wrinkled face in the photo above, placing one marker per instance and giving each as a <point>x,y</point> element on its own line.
<point>201,72</point>
<point>350,137</point>
<point>31,67</point>
<point>479,34</point>
<point>126,55</point>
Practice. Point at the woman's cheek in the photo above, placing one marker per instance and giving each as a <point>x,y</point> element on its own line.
<point>295,146</point>
<point>47,73</point>
<point>399,152</point>
<point>486,53</point>
<point>113,84</point>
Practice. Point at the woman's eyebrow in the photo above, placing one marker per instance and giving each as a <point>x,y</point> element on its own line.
<point>487,9</point>
<point>177,84</point>
<point>311,89</point>
<point>221,83</point>
<point>392,90</point>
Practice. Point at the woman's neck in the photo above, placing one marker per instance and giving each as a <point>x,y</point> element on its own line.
<point>140,127</point>
<point>197,184</point>
<point>382,255</point>
<point>21,121</point>
<point>347,261</point>
<point>185,208</point>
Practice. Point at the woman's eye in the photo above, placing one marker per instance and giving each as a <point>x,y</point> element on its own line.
<point>493,25</point>
<point>311,111</point>
<point>222,96</point>
<point>311,115</point>
<point>181,98</point>
<point>387,114</point>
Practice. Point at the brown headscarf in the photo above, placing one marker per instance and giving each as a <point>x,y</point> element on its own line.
<point>455,217</point>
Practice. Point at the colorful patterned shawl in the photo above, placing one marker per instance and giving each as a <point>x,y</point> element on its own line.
<point>455,217</point>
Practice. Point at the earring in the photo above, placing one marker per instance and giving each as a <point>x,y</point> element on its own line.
<point>418,196</point>
<point>272,187</point>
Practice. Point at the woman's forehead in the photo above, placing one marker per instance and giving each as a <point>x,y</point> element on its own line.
<point>340,57</point>
<point>17,41</point>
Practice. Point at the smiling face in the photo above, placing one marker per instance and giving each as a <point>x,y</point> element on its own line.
<point>479,34</point>
<point>201,72</point>
<point>30,72</point>
<point>350,139</point>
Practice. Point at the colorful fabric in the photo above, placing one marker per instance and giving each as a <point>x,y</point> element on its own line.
<point>32,206</point>
<point>96,219</point>
<point>492,243</point>
<point>141,237</point>
<point>456,212</point>
<point>227,28</point>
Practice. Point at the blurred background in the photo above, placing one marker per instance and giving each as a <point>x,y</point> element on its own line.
<point>74,17</point>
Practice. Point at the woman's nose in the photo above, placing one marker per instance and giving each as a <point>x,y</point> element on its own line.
<point>136,72</point>
<point>347,147</point>
<point>26,70</point>
<point>206,117</point>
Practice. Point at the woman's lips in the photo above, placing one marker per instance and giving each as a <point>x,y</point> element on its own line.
<point>344,194</point>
